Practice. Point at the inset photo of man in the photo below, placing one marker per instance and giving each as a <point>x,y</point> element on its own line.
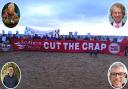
<point>117,75</point>
<point>10,75</point>
<point>117,15</point>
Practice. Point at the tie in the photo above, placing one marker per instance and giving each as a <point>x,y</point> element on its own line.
<point>117,26</point>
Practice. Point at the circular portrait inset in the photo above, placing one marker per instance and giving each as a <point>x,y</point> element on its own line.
<point>117,15</point>
<point>10,75</point>
<point>10,15</point>
<point>117,75</point>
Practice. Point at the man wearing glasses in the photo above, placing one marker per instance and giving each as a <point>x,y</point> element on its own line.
<point>117,75</point>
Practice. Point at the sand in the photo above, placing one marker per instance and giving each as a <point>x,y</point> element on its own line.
<point>51,70</point>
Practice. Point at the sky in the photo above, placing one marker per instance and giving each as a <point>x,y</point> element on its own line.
<point>83,16</point>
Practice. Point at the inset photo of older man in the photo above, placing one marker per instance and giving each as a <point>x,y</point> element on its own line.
<point>117,75</point>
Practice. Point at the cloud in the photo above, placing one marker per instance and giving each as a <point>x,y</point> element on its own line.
<point>70,15</point>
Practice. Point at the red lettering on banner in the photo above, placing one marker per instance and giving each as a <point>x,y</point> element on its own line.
<point>52,45</point>
<point>93,46</point>
<point>84,46</point>
<point>46,45</point>
<point>71,46</point>
<point>68,46</point>
<point>58,45</point>
<point>103,46</point>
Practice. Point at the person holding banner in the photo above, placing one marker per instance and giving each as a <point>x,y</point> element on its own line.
<point>4,40</point>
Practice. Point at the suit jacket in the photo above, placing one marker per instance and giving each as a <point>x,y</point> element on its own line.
<point>121,25</point>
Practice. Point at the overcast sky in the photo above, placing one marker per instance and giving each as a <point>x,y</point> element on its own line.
<point>84,16</point>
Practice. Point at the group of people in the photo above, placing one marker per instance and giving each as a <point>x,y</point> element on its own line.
<point>7,37</point>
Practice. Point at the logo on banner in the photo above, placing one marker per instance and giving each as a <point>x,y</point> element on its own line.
<point>114,48</point>
<point>19,45</point>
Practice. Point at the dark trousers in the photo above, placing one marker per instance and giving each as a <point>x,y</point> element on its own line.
<point>95,52</point>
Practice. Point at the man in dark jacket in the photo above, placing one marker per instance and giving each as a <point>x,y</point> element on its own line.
<point>117,12</point>
<point>10,80</point>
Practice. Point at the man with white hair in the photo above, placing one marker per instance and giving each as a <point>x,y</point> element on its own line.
<point>117,75</point>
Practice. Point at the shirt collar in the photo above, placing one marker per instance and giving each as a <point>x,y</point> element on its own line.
<point>120,24</point>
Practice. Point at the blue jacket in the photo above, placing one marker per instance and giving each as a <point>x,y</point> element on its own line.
<point>10,82</point>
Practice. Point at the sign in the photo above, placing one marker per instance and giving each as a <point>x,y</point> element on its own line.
<point>105,47</point>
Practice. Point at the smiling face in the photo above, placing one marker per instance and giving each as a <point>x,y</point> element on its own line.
<point>10,71</point>
<point>117,14</point>
<point>117,76</point>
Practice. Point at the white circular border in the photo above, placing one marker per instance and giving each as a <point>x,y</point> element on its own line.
<point>109,74</point>
<point>124,4</point>
<point>19,78</point>
<point>114,44</point>
<point>19,16</point>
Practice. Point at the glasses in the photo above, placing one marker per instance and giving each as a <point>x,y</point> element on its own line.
<point>121,74</point>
